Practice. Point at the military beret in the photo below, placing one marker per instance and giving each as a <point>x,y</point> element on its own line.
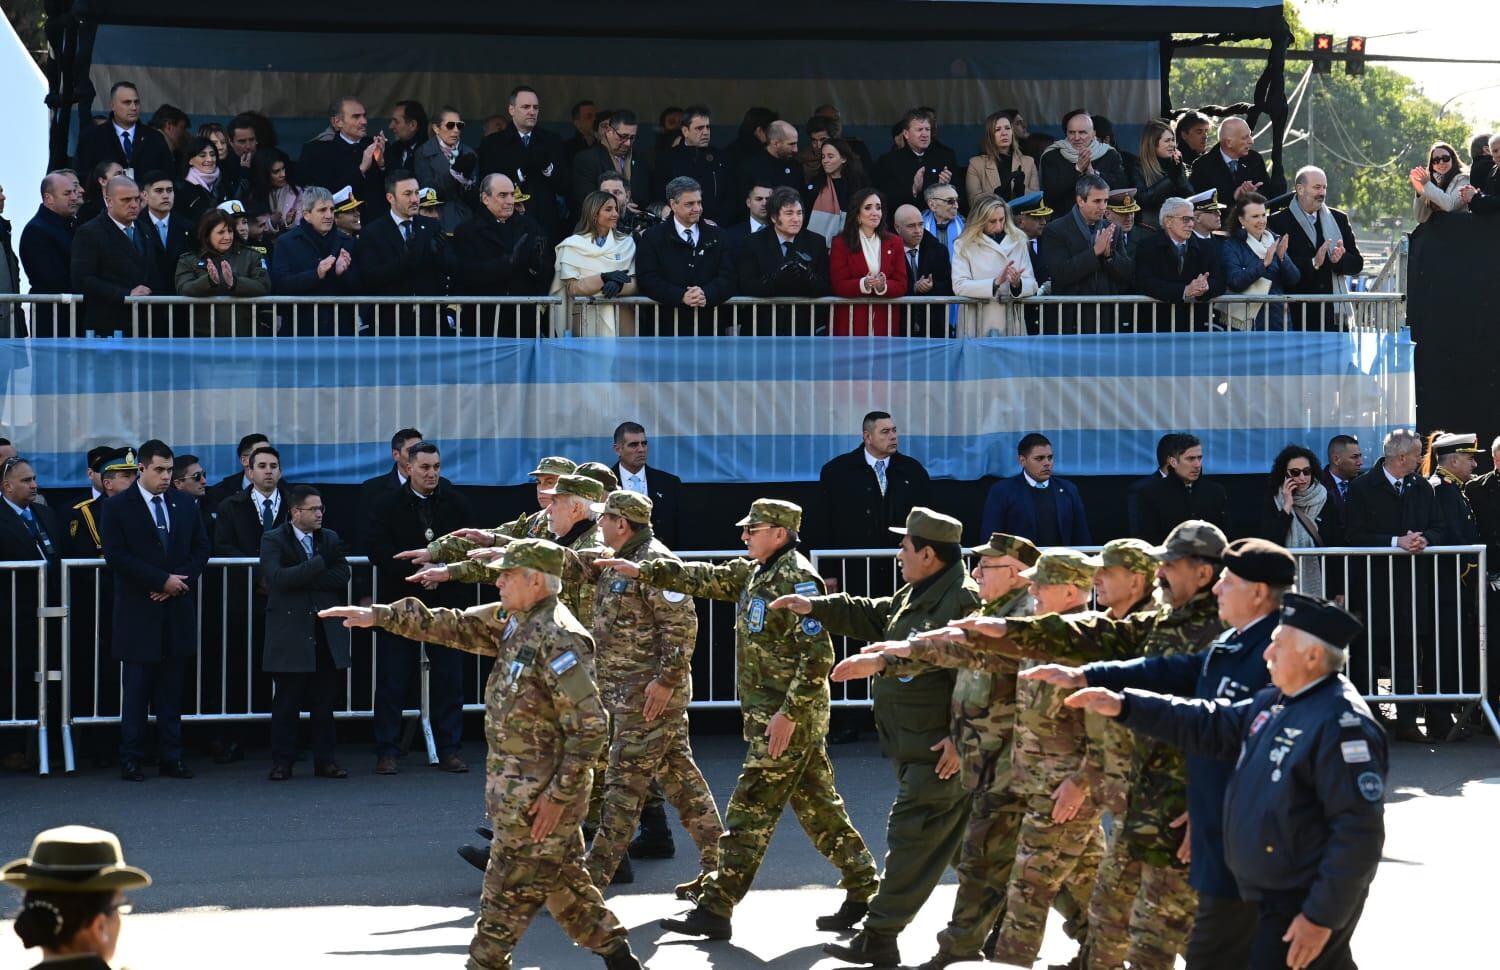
<point>1061,567</point>
<point>627,504</point>
<point>600,473</point>
<point>74,858</point>
<point>554,465</point>
<point>1001,544</point>
<point>1328,622</point>
<point>1132,554</point>
<point>579,485</point>
<point>924,523</point>
<point>539,554</point>
<point>774,511</point>
<point>118,460</point>
<point>1194,537</point>
<point>1260,561</point>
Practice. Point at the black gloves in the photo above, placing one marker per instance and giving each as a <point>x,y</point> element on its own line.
<point>613,283</point>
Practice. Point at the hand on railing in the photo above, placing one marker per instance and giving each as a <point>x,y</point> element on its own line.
<point>1412,542</point>
<point>354,617</point>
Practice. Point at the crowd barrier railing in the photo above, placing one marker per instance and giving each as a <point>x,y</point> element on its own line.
<point>25,661</point>
<point>917,317</point>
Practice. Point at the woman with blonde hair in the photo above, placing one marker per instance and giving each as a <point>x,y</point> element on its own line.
<point>1163,175</point>
<point>991,262</point>
<point>1000,168</point>
<point>597,260</point>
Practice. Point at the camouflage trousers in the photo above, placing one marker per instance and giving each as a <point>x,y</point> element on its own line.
<point>640,752</point>
<point>1050,856</point>
<point>1139,912</point>
<point>523,875</point>
<point>984,866</point>
<point>803,778</point>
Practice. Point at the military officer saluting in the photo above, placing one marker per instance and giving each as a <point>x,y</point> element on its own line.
<point>1304,819</point>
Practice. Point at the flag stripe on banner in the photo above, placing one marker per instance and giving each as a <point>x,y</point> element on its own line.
<point>717,409</point>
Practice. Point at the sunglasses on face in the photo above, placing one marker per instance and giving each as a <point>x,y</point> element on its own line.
<point>451,125</point>
<point>1442,159</point>
<point>1299,473</point>
<point>195,476</point>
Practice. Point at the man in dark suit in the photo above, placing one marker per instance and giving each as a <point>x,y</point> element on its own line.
<point>165,233</point>
<point>756,218</point>
<point>1345,463</point>
<point>28,533</point>
<point>866,491</point>
<point>372,490</point>
<point>410,518</point>
<point>46,246</point>
<point>156,549</point>
<point>775,164</point>
<point>1321,245</point>
<point>399,254</point>
<point>1164,451</point>
<point>663,488</point>
<point>930,271</point>
<point>122,138</point>
<point>783,261</point>
<point>614,152</point>
<point>28,530</point>
<point>1391,505</point>
<point>902,173</point>
<point>684,265</point>
<point>1036,504</point>
<point>231,485</point>
<point>1077,249</point>
<point>1179,269</point>
<point>247,515</point>
<point>1181,494</point>
<point>304,569</point>
<point>501,252</point>
<point>347,156</point>
<point>533,158</point>
<point>1231,166</point>
<point>700,161</point>
<point>108,260</point>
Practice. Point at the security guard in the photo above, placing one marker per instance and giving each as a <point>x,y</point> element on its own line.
<point>116,469</point>
<point>1304,818</point>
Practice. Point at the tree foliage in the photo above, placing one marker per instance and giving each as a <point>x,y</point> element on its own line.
<point>26,16</point>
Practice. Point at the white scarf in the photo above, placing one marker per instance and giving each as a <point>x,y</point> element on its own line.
<point>580,256</point>
<point>1309,502</point>
<point>1096,150</point>
<point>1331,235</point>
<point>1242,316</point>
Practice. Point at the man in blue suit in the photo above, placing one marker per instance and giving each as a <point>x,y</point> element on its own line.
<point>156,547</point>
<point>1035,504</point>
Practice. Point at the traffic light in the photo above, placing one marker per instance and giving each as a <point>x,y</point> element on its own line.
<point>1322,48</point>
<point>1354,65</point>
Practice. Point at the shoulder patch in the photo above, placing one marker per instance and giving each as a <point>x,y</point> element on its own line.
<point>672,596</point>
<point>1371,786</point>
<point>808,588</point>
<point>73,529</point>
<point>811,627</point>
<point>1355,752</point>
<point>1349,719</point>
<point>564,662</point>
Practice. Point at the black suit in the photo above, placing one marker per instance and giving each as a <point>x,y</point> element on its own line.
<point>152,640</point>
<point>665,266</point>
<point>238,527</point>
<point>305,654</point>
<point>106,266</point>
<point>334,163</point>
<point>371,491</point>
<point>540,169</point>
<point>897,169</point>
<point>163,259</point>
<point>1213,172</point>
<point>392,266</point>
<point>765,271</point>
<point>855,514</point>
<point>99,143</point>
<point>494,258</point>
<point>932,260</point>
<point>224,489</point>
<point>1076,270</point>
<point>761,168</point>
<point>665,491</point>
<point>594,161</point>
<point>1301,250</point>
<point>17,544</point>
<point>707,167</point>
<point>1158,275</point>
<point>1168,502</point>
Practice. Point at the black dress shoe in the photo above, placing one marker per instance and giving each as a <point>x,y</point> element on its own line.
<point>485,832</point>
<point>474,856</point>
<point>131,771</point>
<point>700,922</point>
<point>280,772</point>
<point>453,764</point>
<point>330,769</point>
<point>176,769</point>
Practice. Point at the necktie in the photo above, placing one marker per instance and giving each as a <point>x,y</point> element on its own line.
<point>130,232</point>
<point>687,236</point>
<point>1179,247</point>
<point>1234,167</point>
<point>307,546</point>
<point>125,144</point>
<point>880,474</point>
<point>1401,486</point>
<point>636,485</point>
<point>267,517</point>
<point>162,531</point>
<point>786,249</point>
<point>911,262</point>
<point>406,230</point>
<point>161,230</point>
<point>1343,489</point>
<point>526,140</point>
<point>37,535</point>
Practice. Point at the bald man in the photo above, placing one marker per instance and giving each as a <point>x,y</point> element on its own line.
<point>1232,166</point>
<point>776,164</point>
<point>929,269</point>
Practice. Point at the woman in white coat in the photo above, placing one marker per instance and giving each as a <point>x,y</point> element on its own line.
<point>991,263</point>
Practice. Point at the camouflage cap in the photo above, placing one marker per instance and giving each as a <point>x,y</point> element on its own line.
<point>554,465</point>
<point>1132,554</point>
<point>1194,537</point>
<point>1061,567</point>
<point>600,473</point>
<point>584,487</point>
<point>773,511</point>
<point>924,523</point>
<point>626,504</point>
<point>1001,544</point>
<point>539,554</point>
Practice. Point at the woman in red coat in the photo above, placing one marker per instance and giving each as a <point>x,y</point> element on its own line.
<point>866,260</point>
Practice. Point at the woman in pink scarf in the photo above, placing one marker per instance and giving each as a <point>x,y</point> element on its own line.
<point>203,185</point>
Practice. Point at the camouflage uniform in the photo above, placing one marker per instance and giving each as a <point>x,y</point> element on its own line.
<point>782,665</point>
<point>545,726</point>
<point>645,634</point>
<point>533,525</point>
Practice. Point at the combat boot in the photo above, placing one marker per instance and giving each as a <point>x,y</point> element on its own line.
<point>475,856</point>
<point>690,890</point>
<point>621,958</point>
<point>700,922</point>
<point>868,948</point>
<point>939,960</point>
<point>851,912</point>
<point>654,841</point>
<point>624,874</point>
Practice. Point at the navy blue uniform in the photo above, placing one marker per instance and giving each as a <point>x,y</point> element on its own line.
<point>1303,814</point>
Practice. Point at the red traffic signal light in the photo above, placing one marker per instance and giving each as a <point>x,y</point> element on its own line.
<point>1322,47</point>
<point>1356,45</point>
<point>1354,64</point>
<point>1323,42</point>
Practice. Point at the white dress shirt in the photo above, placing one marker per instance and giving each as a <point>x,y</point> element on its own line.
<point>634,481</point>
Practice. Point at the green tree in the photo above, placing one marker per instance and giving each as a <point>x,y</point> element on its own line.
<point>27,17</point>
<point>1368,131</point>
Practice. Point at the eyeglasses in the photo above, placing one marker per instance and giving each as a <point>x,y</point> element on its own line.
<point>313,509</point>
<point>751,530</point>
<point>946,200</point>
<point>1442,159</point>
<point>621,135</point>
<point>983,566</point>
<point>1299,473</point>
<point>450,125</point>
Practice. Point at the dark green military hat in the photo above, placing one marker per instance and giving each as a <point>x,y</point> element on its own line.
<point>540,554</point>
<point>924,523</point>
<point>584,487</point>
<point>121,460</point>
<point>74,858</point>
<point>774,511</point>
<point>1001,544</point>
<point>1061,567</point>
<point>1195,537</point>
<point>1132,554</point>
<point>626,504</point>
<point>600,473</point>
<point>554,465</point>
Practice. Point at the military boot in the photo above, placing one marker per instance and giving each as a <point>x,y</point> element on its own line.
<point>621,958</point>
<point>690,890</point>
<point>851,912</point>
<point>700,922</point>
<point>868,948</point>
<point>939,960</point>
<point>624,874</point>
<point>654,840</point>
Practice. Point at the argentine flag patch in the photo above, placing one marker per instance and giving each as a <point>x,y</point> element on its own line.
<point>808,588</point>
<point>562,664</point>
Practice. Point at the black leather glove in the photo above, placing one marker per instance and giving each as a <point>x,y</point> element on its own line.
<point>465,165</point>
<point>614,282</point>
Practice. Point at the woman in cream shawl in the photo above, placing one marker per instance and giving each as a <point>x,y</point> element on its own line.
<point>991,262</point>
<point>596,260</point>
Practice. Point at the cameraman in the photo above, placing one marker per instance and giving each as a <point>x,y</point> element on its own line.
<point>784,260</point>
<point>501,252</point>
<point>634,220</point>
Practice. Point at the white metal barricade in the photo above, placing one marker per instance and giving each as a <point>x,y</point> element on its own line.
<point>25,665</point>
